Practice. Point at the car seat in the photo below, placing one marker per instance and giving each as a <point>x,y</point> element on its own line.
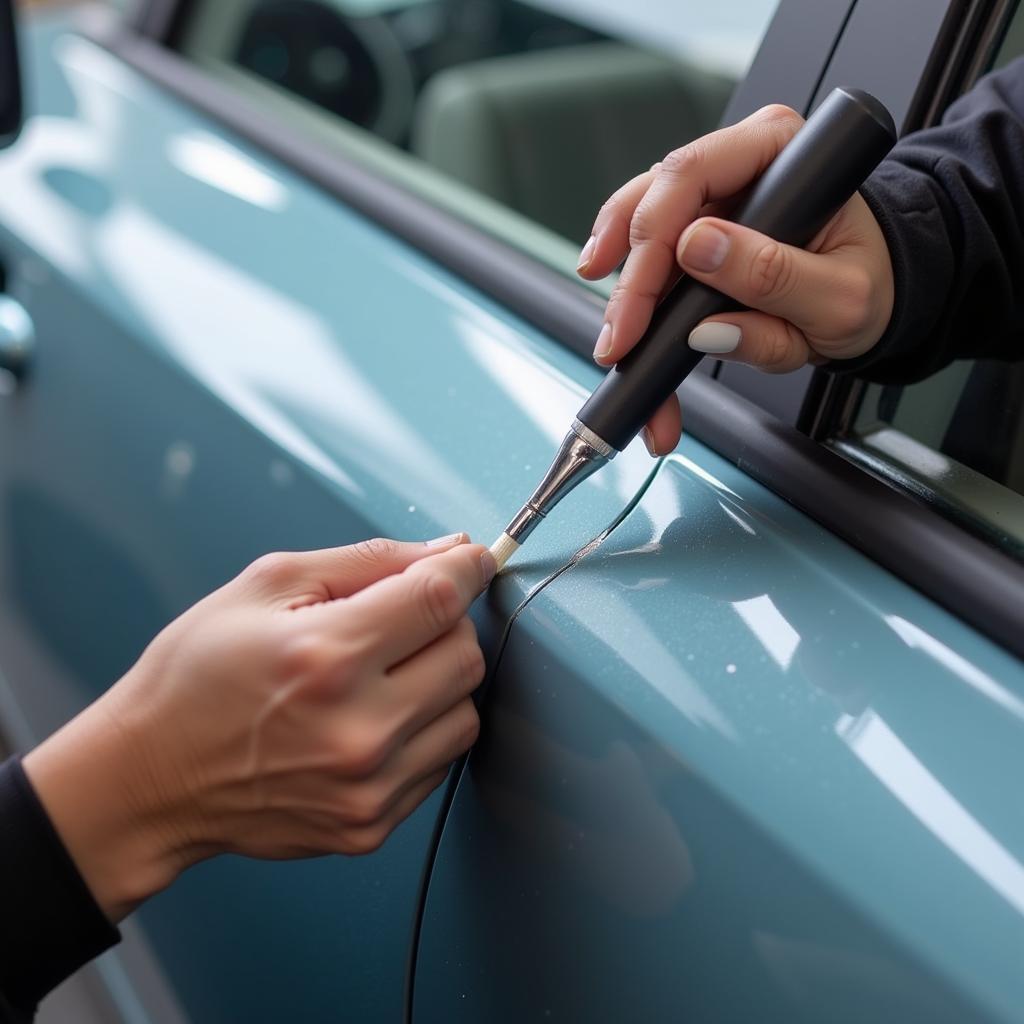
<point>552,133</point>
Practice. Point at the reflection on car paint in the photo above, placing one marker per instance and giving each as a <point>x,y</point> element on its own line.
<point>809,812</point>
<point>218,379</point>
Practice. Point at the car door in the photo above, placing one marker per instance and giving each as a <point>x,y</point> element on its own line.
<point>731,768</point>
<point>634,831</point>
<point>228,361</point>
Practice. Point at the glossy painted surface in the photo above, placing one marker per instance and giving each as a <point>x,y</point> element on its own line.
<point>228,362</point>
<point>733,771</point>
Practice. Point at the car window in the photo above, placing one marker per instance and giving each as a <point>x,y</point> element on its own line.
<point>520,116</point>
<point>956,439</point>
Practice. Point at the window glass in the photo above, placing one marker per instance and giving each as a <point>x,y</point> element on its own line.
<point>956,439</point>
<point>521,116</point>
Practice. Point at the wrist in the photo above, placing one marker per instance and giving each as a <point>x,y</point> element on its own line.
<point>93,779</point>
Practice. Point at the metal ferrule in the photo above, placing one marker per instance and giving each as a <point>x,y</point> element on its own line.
<point>581,454</point>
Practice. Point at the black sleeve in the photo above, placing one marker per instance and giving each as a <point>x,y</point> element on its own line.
<point>950,201</point>
<point>50,925</point>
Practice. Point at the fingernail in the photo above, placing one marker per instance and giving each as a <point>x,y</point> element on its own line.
<point>445,542</point>
<point>586,255</point>
<point>649,442</point>
<point>716,339</point>
<point>604,342</point>
<point>704,249</point>
<point>488,567</point>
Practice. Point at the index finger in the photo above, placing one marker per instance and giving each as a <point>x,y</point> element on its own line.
<point>708,170</point>
<point>401,614</point>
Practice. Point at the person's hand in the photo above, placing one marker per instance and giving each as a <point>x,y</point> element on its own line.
<point>307,707</point>
<point>833,301</point>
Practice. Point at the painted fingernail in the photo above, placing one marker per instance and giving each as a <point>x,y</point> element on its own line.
<point>604,342</point>
<point>445,542</point>
<point>704,249</point>
<point>586,255</point>
<point>715,339</point>
<point>649,442</point>
<point>488,567</point>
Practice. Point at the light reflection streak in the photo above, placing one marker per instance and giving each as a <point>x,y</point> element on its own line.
<point>540,395</point>
<point>771,628</point>
<point>897,768</point>
<point>254,346</point>
<point>698,471</point>
<point>210,160</point>
<point>738,519</point>
<point>916,638</point>
<point>647,655</point>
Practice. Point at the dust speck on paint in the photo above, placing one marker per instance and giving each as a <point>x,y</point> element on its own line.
<point>281,473</point>
<point>731,669</point>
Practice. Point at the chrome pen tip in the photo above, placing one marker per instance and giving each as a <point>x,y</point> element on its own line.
<point>581,453</point>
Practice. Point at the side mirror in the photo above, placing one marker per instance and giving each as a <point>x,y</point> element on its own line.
<point>10,76</point>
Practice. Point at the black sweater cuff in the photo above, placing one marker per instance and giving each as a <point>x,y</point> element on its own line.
<point>50,924</point>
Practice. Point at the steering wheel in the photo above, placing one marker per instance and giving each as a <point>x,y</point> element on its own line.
<point>353,67</point>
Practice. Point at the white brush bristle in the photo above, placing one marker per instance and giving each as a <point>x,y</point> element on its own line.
<point>503,549</point>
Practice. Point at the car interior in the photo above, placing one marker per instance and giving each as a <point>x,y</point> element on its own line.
<point>543,114</point>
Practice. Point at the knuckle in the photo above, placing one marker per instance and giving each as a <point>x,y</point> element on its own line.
<point>364,807</point>
<point>306,655</point>
<point>779,349</point>
<point>615,301</point>
<point>439,599</point>
<point>641,225</point>
<point>361,751</point>
<point>272,570</point>
<point>367,840</point>
<point>471,660</point>
<point>683,162</point>
<point>376,549</point>
<point>645,228</point>
<point>468,725</point>
<point>771,272</point>
<point>779,115</point>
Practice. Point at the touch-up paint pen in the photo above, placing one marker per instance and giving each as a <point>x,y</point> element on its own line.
<point>823,165</point>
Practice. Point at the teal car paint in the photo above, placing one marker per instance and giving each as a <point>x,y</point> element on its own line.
<point>730,769</point>
<point>228,363</point>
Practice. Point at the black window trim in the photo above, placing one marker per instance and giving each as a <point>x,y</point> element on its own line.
<point>977,583</point>
<point>974,29</point>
